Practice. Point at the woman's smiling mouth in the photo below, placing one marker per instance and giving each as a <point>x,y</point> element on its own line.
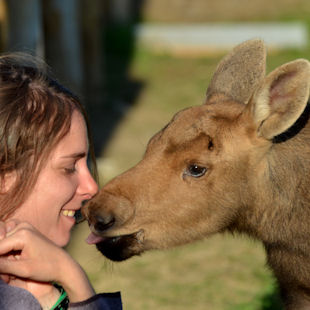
<point>69,213</point>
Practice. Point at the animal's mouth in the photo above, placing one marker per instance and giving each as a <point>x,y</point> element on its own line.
<point>119,248</point>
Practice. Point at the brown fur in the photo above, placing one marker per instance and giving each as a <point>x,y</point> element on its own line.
<point>252,140</point>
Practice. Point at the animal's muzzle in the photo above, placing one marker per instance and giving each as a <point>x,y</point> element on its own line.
<point>101,224</point>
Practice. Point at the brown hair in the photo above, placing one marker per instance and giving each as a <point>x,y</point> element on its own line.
<point>35,113</point>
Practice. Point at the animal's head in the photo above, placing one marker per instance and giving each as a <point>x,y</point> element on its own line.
<point>197,172</point>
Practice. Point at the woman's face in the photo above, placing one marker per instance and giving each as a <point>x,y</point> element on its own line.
<point>63,184</point>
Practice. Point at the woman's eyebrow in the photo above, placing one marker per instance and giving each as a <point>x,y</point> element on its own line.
<point>75,155</point>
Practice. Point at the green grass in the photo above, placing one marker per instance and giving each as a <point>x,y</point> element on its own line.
<point>223,272</point>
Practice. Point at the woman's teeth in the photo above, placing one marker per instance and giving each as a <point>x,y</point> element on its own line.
<point>68,213</point>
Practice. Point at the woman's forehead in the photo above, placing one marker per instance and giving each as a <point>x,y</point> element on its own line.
<point>76,140</point>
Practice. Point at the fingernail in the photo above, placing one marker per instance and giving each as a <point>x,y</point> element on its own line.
<point>9,233</point>
<point>10,226</point>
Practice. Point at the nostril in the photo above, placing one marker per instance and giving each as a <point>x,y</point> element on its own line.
<point>104,223</point>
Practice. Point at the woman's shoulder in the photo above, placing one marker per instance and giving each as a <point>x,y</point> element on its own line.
<point>16,298</point>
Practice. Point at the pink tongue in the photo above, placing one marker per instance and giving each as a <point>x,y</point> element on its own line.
<point>93,239</point>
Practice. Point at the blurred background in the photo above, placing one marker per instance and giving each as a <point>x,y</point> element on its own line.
<point>134,63</point>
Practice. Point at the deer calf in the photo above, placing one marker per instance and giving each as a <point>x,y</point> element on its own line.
<point>240,163</point>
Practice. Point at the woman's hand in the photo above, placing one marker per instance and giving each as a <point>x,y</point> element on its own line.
<point>6,227</point>
<point>26,253</point>
<point>36,257</point>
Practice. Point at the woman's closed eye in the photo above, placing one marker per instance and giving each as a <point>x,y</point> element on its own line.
<point>70,170</point>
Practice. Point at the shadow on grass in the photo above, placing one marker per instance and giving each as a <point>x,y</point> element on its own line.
<point>120,90</point>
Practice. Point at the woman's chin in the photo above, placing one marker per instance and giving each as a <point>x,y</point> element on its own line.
<point>62,234</point>
<point>62,241</point>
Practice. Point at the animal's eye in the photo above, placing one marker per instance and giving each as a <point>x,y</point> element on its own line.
<point>196,171</point>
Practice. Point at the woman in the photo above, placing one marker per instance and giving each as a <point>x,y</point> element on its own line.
<point>44,180</point>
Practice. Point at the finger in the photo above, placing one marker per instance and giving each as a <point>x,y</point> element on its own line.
<point>14,267</point>
<point>6,227</point>
<point>14,226</point>
<point>11,244</point>
<point>5,278</point>
<point>11,224</point>
<point>13,256</point>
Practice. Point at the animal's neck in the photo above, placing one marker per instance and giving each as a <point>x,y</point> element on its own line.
<point>275,209</point>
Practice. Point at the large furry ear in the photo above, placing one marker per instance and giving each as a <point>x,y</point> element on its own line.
<point>281,99</point>
<point>240,72</point>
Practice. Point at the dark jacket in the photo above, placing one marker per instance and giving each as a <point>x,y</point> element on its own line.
<point>20,299</point>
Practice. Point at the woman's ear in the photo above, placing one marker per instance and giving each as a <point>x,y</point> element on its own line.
<point>281,99</point>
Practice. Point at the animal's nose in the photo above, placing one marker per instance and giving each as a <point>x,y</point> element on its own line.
<point>103,223</point>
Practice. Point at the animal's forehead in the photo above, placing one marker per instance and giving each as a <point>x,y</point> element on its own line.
<point>189,114</point>
<point>188,124</point>
<point>197,122</point>
<point>206,118</point>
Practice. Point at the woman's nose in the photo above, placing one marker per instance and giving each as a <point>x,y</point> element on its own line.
<point>88,186</point>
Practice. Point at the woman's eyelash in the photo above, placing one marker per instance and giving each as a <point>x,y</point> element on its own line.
<point>70,170</point>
